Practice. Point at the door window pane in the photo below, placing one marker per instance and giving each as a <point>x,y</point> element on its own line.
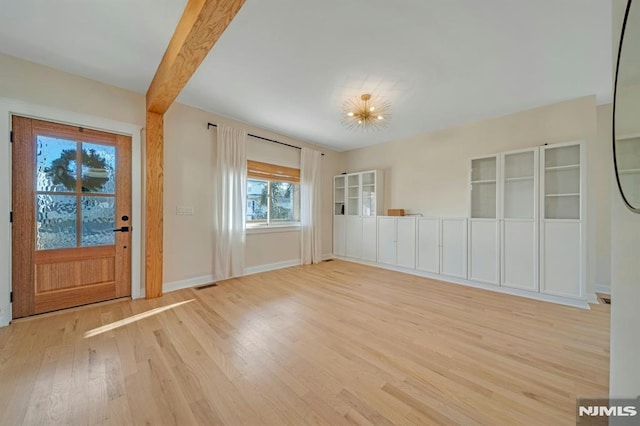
<point>56,221</point>
<point>98,168</point>
<point>98,221</point>
<point>56,164</point>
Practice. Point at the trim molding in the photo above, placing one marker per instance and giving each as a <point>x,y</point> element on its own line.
<point>271,266</point>
<point>13,106</point>
<point>602,288</point>
<point>191,282</point>
<point>582,304</point>
<point>208,279</point>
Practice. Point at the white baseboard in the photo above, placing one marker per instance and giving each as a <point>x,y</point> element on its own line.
<point>208,279</point>
<point>191,282</point>
<point>583,304</point>
<point>271,266</point>
<point>603,288</point>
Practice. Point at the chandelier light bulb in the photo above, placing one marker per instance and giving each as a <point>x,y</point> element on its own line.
<point>359,112</point>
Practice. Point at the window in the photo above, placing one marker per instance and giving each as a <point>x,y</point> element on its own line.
<point>273,194</point>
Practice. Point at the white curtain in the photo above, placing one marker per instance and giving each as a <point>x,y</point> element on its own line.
<point>310,213</point>
<point>230,186</point>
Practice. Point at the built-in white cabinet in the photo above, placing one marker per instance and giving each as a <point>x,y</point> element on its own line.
<point>518,213</point>
<point>428,255</point>
<point>387,240</point>
<point>628,159</point>
<point>354,236</point>
<point>525,228</point>
<point>339,237</point>
<point>397,241</point>
<point>339,205</point>
<point>369,239</point>
<point>453,241</point>
<point>562,207</point>
<point>483,220</point>
<point>357,202</point>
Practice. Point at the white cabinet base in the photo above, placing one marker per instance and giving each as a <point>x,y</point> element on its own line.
<point>483,250</point>
<point>560,265</point>
<point>453,261</point>
<point>519,254</point>
<point>582,304</point>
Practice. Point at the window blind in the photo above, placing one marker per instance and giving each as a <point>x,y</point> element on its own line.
<point>258,170</point>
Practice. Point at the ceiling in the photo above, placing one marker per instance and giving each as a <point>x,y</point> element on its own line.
<point>288,65</point>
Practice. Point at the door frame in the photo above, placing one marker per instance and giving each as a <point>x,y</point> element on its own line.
<point>10,107</point>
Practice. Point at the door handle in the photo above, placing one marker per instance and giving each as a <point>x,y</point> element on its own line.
<point>122,229</point>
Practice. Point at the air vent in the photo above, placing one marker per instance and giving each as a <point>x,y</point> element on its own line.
<point>202,287</point>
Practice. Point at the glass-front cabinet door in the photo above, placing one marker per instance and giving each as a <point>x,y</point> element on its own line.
<point>483,188</point>
<point>353,189</point>
<point>369,194</point>
<point>339,197</point>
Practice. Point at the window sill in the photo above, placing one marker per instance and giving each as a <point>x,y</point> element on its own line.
<point>267,229</point>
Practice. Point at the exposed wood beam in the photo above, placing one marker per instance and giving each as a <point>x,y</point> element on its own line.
<point>201,25</point>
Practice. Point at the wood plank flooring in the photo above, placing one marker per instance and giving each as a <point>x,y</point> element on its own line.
<point>331,344</point>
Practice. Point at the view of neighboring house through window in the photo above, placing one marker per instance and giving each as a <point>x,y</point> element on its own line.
<point>273,194</point>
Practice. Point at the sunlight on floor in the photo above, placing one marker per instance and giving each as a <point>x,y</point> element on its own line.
<point>132,319</point>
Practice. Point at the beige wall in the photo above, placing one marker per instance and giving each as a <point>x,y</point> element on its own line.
<point>428,173</point>
<point>625,276</point>
<point>189,160</point>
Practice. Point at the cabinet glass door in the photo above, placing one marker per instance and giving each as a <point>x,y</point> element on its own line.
<point>562,182</point>
<point>519,185</point>
<point>369,194</point>
<point>339,195</point>
<point>483,188</point>
<point>628,158</point>
<point>353,189</point>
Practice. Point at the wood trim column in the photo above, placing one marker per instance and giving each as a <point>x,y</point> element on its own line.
<point>154,185</point>
<point>201,25</point>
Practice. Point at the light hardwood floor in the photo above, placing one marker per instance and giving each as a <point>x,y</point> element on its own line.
<point>336,343</point>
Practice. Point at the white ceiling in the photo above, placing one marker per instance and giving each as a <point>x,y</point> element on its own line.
<point>288,65</point>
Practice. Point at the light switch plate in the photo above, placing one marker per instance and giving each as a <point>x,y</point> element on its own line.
<point>184,211</point>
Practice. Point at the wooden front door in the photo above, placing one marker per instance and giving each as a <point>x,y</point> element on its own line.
<point>71,202</point>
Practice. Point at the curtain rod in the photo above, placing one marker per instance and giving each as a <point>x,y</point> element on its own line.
<point>209,125</point>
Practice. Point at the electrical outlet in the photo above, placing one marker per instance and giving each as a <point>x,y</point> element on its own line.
<point>184,211</point>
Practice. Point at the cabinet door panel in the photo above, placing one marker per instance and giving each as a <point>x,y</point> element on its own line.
<point>453,261</point>
<point>429,245</point>
<point>369,239</point>
<point>483,243</point>
<point>387,240</point>
<point>519,260</point>
<point>406,242</point>
<point>561,254</point>
<point>354,237</point>
<point>338,236</point>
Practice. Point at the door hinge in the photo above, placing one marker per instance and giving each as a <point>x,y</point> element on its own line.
<point>10,217</point>
<point>11,136</point>
<point>11,297</point>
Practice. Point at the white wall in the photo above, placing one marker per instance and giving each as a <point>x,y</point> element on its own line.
<point>189,160</point>
<point>428,173</point>
<point>624,378</point>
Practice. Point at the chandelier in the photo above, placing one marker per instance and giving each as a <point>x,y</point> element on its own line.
<point>366,113</point>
